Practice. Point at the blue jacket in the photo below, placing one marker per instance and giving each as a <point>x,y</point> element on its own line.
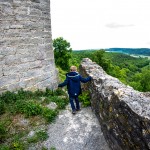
<point>73,83</point>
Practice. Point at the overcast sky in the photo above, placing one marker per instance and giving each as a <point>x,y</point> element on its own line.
<point>92,24</point>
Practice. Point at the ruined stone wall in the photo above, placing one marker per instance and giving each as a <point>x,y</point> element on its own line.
<point>26,54</point>
<point>124,114</point>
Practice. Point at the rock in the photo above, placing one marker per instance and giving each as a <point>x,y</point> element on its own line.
<point>52,105</point>
<point>76,132</point>
<point>31,134</point>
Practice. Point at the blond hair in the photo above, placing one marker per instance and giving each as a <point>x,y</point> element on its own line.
<point>73,68</point>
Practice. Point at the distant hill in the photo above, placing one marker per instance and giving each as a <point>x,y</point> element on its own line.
<point>135,51</point>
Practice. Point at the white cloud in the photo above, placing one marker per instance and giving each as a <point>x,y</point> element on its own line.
<point>116,25</point>
<point>88,23</point>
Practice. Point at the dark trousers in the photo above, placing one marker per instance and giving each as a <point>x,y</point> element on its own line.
<point>73,99</point>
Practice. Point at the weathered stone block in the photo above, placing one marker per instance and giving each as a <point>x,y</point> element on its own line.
<point>13,78</point>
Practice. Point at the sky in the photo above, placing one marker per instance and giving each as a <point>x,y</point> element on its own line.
<point>98,24</point>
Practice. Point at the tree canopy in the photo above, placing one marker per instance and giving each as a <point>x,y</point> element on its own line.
<point>62,52</point>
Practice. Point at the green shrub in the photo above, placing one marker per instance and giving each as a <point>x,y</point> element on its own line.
<point>59,92</point>
<point>3,131</point>
<point>25,102</point>
<point>85,99</point>
<point>62,74</point>
<point>32,109</point>
<point>42,135</point>
<point>39,93</point>
<point>28,108</point>
<point>39,136</point>
<point>2,108</point>
<point>30,104</point>
<point>49,114</point>
<point>5,123</point>
<point>61,102</point>
<point>17,145</point>
<point>48,92</point>
<point>4,147</point>
<point>21,95</point>
<point>9,97</point>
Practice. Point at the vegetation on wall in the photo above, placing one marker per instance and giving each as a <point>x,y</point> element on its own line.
<point>85,98</point>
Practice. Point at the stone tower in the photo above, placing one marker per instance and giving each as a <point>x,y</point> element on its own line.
<point>26,54</point>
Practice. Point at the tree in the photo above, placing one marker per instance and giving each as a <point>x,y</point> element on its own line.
<point>98,57</point>
<point>145,80</point>
<point>62,52</point>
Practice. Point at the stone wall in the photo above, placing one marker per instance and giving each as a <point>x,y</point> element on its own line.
<point>26,54</point>
<point>124,114</point>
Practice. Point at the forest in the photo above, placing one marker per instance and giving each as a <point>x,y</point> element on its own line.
<point>132,71</point>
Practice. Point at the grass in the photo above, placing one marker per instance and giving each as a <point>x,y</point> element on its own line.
<point>85,99</point>
<point>38,136</point>
<point>25,111</point>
